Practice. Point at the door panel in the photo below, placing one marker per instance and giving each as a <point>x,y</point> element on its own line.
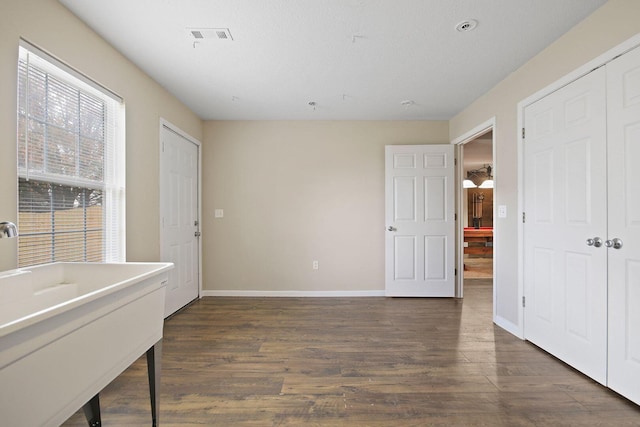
<point>623,92</point>
<point>565,192</point>
<point>435,257</point>
<point>420,211</point>
<point>434,199</point>
<point>404,196</point>
<point>405,258</point>
<point>179,206</point>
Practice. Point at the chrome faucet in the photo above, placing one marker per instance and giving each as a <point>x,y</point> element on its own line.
<point>8,229</point>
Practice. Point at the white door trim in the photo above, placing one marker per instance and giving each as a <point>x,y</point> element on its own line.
<point>583,70</point>
<point>482,128</point>
<point>198,144</point>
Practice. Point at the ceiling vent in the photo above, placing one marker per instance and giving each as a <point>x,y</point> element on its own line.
<point>202,34</point>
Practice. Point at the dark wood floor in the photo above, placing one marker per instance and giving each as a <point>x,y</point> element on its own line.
<point>240,362</point>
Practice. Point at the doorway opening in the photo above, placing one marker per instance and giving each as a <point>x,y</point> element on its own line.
<point>477,210</point>
<point>475,254</point>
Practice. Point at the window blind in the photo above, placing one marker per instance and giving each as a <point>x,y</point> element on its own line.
<point>70,164</point>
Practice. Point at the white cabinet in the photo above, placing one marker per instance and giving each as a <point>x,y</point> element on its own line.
<point>582,290</point>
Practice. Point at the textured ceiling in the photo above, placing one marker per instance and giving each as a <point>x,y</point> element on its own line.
<point>355,59</point>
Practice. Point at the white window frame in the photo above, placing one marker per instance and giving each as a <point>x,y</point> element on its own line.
<point>112,184</point>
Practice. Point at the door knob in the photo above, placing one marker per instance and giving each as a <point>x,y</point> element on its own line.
<point>615,243</point>
<point>596,241</point>
<point>391,228</point>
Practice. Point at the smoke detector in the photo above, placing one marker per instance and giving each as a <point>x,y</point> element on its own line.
<point>466,26</point>
<point>203,34</point>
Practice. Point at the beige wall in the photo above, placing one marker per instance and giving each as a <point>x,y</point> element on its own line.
<point>609,26</point>
<point>53,28</point>
<point>294,192</point>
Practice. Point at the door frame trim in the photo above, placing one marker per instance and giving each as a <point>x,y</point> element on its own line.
<point>581,71</point>
<point>482,128</point>
<point>166,124</point>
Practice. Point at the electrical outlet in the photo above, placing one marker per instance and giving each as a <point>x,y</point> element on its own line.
<point>315,265</point>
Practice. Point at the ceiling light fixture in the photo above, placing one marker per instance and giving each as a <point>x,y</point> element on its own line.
<point>312,104</point>
<point>488,183</point>
<point>466,26</point>
<point>467,183</point>
<point>483,173</point>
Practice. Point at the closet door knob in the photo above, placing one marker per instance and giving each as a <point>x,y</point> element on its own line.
<point>596,241</point>
<point>615,243</point>
<point>391,228</point>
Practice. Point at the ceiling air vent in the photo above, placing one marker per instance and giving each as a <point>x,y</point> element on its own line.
<point>202,34</point>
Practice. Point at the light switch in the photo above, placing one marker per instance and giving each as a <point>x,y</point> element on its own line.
<point>502,211</point>
<point>218,213</point>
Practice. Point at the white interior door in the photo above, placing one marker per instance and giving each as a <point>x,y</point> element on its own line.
<point>420,236</point>
<point>179,217</point>
<point>565,280</point>
<point>623,99</point>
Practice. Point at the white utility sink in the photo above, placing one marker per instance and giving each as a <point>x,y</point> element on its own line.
<point>68,329</point>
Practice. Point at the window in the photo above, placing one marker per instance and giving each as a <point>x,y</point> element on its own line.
<point>70,164</point>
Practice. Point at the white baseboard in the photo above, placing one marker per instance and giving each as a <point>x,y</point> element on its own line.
<point>508,326</point>
<point>290,294</point>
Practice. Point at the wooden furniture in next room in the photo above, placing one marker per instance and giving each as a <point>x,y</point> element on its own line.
<point>479,241</point>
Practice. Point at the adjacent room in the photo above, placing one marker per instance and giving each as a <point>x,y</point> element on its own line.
<point>328,212</point>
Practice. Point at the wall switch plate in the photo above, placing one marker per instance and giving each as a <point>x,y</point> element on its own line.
<point>315,265</point>
<point>218,213</point>
<point>502,211</point>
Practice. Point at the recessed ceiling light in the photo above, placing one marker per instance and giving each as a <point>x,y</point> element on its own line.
<point>466,26</point>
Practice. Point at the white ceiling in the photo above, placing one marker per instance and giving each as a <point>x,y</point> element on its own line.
<point>356,59</point>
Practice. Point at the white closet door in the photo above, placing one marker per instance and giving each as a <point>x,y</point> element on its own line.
<point>420,240</point>
<point>565,280</point>
<point>623,94</point>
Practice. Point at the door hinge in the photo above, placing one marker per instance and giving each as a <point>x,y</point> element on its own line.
<point>523,302</point>
<point>455,162</point>
<point>523,133</point>
<point>455,216</point>
<point>523,218</point>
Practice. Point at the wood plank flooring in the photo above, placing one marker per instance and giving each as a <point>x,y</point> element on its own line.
<point>374,362</point>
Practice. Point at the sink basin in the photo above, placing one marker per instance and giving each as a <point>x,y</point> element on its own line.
<point>68,329</point>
